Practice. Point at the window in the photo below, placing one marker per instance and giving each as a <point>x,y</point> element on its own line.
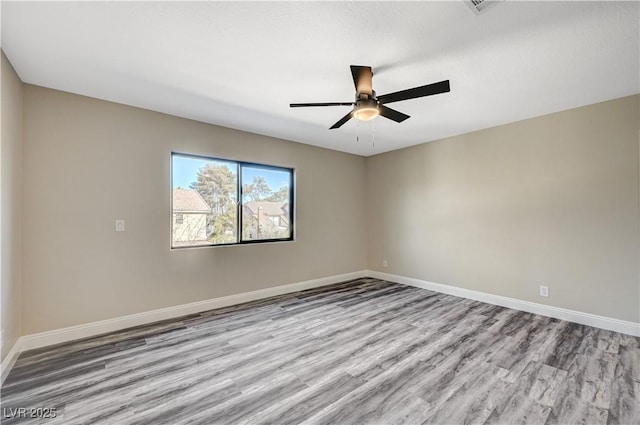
<point>221,202</point>
<point>266,194</point>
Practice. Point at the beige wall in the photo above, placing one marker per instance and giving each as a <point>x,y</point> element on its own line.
<point>10,205</point>
<point>551,200</point>
<point>88,162</point>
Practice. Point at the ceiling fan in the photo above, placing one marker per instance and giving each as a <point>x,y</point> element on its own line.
<point>367,105</point>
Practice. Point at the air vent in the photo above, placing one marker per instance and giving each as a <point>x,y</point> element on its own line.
<point>481,5</point>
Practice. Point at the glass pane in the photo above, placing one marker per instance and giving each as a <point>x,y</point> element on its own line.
<point>204,201</point>
<point>266,203</point>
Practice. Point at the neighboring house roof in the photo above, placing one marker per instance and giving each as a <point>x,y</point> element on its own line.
<point>189,201</point>
<point>268,208</point>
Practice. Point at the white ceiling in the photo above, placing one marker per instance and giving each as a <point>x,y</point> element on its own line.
<point>240,64</point>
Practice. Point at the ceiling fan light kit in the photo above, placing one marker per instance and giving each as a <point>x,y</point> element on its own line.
<point>366,109</point>
<point>368,106</point>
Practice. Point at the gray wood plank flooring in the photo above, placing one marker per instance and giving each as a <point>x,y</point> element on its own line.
<point>360,352</point>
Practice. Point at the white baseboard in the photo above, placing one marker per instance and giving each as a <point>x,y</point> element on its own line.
<point>43,339</point>
<point>10,360</point>
<point>602,322</point>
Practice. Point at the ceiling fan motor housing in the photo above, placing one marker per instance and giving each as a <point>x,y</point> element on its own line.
<point>366,96</point>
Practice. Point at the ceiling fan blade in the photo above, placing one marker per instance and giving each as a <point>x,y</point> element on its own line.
<point>392,114</point>
<point>428,90</point>
<point>342,121</point>
<point>362,79</point>
<point>303,105</point>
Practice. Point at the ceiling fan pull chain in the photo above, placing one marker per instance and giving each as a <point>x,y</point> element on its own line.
<point>373,133</point>
<point>357,131</point>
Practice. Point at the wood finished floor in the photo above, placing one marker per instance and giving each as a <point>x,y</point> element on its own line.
<point>361,352</point>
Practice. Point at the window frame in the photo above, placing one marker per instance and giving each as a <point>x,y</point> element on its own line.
<point>239,204</point>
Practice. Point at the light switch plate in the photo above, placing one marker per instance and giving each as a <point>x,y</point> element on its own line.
<point>119,225</point>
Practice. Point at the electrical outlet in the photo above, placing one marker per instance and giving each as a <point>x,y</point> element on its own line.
<point>384,263</point>
<point>544,291</point>
<point>119,225</point>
